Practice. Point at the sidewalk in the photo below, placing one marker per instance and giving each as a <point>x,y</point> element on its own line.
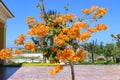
<point>82,72</point>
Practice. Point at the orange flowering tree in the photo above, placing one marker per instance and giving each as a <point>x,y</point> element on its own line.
<point>60,36</point>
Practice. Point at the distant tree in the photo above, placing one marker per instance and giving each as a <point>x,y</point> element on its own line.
<point>108,51</point>
<point>116,51</point>
<point>91,48</point>
<point>99,49</point>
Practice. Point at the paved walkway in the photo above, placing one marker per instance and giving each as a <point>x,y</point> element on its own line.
<point>83,72</point>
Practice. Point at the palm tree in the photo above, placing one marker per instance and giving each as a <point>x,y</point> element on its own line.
<point>90,47</point>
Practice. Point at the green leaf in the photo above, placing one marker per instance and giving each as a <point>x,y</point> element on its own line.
<point>51,20</point>
<point>38,5</point>
<point>67,7</point>
<point>80,19</point>
<point>42,7</point>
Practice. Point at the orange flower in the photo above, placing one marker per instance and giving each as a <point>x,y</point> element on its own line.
<point>40,30</point>
<point>66,54</point>
<point>52,16</point>
<point>29,46</point>
<point>20,40</point>
<point>42,15</point>
<point>52,71</point>
<point>95,15</point>
<point>30,20</point>
<point>17,52</point>
<point>86,11</point>
<point>59,20</point>
<point>79,56</point>
<point>21,37</point>
<point>92,30</point>
<point>96,11</point>
<point>94,8</point>
<point>57,69</point>
<point>70,17</point>
<point>100,12</point>
<point>104,27</point>
<point>84,36</point>
<point>103,10</point>
<point>82,51</point>
<point>61,38</point>
<point>5,54</point>
<point>53,48</point>
<point>71,32</point>
<point>101,27</point>
<point>32,31</point>
<point>79,25</point>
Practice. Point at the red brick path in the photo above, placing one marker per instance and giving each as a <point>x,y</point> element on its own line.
<point>82,72</point>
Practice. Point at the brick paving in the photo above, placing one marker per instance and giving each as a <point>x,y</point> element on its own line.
<point>82,72</point>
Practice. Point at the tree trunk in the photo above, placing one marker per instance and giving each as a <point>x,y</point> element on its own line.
<point>92,57</point>
<point>114,59</point>
<point>51,41</point>
<point>72,71</point>
<point>44,59</point>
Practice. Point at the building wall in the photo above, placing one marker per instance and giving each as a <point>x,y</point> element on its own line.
<point>4,15</point>
<point>2,37</point>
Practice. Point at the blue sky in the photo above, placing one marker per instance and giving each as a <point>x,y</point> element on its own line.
<point>23,8</point>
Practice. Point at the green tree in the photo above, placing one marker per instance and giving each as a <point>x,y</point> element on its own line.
<point>91,48</point>
<point>108,51</point>
<point>116,50</point>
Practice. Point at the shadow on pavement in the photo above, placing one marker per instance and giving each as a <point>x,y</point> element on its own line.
<point>7,71</point>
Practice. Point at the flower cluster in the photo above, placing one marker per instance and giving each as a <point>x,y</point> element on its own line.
<point>39,30</point>
<point>80,54</point>
<point>69,54</point>
<point>30,46</point>
<point>74,31</point>
<point>61,38</point>
<point>84,36</point>
<point>97,28</point>
<point>5,54</point>
<point>96,11</point>
<point>20,40</point>
<point>65,54</point>
<point>56,69</point>
<point>17,52</point>
<point>30,20</point>
<point>64,18</point>
<point>89,10</point>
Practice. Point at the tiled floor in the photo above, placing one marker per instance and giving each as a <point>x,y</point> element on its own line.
<point>82,72</point>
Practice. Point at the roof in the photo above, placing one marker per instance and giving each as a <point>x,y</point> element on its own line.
<point>7,8</point>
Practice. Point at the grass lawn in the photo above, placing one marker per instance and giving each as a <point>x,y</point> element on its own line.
<point>49,64</point>
<point>37,64</point>
<point>98,63</point>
